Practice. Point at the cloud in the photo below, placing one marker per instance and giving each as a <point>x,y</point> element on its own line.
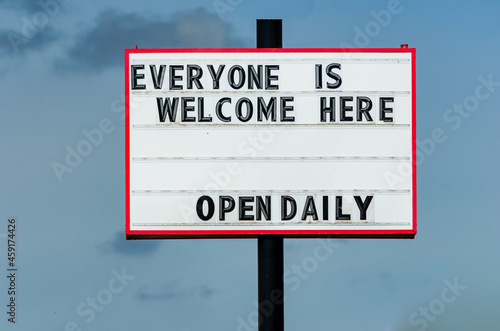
<point>174,292</point>
<point>103,45</point>
<point>119,245</point>
<point>16,43</point>
<point>31,26</point>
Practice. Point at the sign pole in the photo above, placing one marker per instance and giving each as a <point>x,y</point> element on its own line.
<point>270,247</point>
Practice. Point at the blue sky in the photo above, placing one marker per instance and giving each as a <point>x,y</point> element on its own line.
<point>65,76</point>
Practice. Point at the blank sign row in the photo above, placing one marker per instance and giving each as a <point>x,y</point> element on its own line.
<point>272,142</point>
<point>258,175</point>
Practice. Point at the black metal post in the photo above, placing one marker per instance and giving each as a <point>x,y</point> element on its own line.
<point>269,34</point>
<point>271,312</point>
<point>270,247</point>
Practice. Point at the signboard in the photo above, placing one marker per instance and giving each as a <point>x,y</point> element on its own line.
<point>243,142</point>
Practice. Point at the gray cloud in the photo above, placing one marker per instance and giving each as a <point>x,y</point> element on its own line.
<point>119,245</point>
<point>174,292</point>
<point>16,43</point>
<point>31,28</point>
<point>103,45</point>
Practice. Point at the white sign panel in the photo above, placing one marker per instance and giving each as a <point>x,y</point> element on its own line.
<point>297,142</point>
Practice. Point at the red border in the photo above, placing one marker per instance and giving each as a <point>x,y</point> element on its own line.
<point>127,146</point>
<point>131,234</point>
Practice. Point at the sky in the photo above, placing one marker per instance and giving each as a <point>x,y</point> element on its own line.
<point>62,74</point>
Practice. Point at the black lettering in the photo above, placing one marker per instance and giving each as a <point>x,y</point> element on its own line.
<point>185,108</point>
<point>218,110</point>
<point>385,110</point>
<point>239,112</point>
<point>263,208</point>
<point>319,76</point>
<point>324,109</point>
<point>266,110</point>
<point>199,208</point>
<point>201,111</point>
<point>136,76</point>
<point>338,210</point>
<point>167,107</point>
<point>309,209</point>
<point>363,205</point>
<point>243,208</point>
<point>174,78</point>
<point>194,73</point>
<point>344,108</point>
<point>255,77</point>
<point>270,77</point>
<point>223,209</point>
<point>325,207</point>
<point>335,76</point>
<point>285,215</point>
<point>284,108</point>
<point>157,76</point>
<point>241,77</point>
<point>364,105</point>
<point>216,75</point>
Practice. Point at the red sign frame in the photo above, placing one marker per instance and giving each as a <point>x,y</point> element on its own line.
<point>337,233</point>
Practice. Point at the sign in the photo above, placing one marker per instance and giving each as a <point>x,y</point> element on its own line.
<point>242,142</point>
